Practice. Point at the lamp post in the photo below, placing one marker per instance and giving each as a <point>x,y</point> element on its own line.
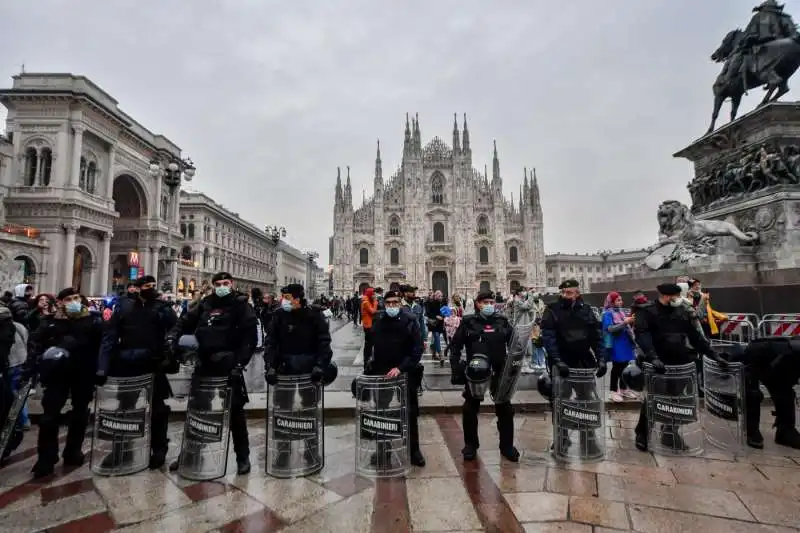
<point>172,171</point>
<point>311,286</point>
<point>275,233</point>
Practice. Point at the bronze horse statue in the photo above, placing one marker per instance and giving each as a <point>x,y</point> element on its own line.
<point>770,65</point>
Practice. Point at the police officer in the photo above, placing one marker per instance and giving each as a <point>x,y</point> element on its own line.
<point>226,330</point>
<point>485,332</point>
<point>572,337</point>
<point>133,345</point>
<point>73,336</point>
<point>299,342</point>
<point>398,349</point>
<point>666,332</point>
<point>775,362</point>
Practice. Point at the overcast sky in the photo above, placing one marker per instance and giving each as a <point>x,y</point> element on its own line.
<point>268,98</point>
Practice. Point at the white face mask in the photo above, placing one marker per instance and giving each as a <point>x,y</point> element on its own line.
<point>676,302</point>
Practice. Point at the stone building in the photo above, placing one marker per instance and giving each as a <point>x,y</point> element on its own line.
<point>438,223</point>
<point>591,268</point>
<point>292,267</point>
<point>80,174</point>
<point>217,239</point>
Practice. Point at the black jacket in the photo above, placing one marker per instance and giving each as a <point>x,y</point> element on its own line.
<point>226,324</point>
<point>298,340</point>
<point>80,336</point>
<point>479,334</point>
<point>662,331</point>
<point>572,334</point>
<point>137,331</point>
<point>432,310</point>
<point>7,335</point>
<point>396,343</point>
<point>19,310</point>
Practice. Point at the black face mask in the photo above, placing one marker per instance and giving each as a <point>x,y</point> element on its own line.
<point>148,294</point>
<point>566,302</point>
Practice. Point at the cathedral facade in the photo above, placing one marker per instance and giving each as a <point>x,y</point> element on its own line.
<point>438,223</point>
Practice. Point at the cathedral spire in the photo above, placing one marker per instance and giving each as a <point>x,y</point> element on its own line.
<point>456,142</point>
<point>535,200</point>
<point>495,163</point>
<point>348,191</point>
<point>378,165</point>
<point>338,200</point>
<point>407,141</point>
<point>465,135</point>
<point>417,135</point>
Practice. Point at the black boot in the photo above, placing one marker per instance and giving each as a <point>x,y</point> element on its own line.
<point>505,429</point>
<point>641,442</point>
<point>755,439</point>
<point>589,446</point>
<point>157,458</point>
<point>670,438</point>
<point>469,452</point>
<point>242,466</point>
<point>787,436</point>
<point>74,457</point>
<point>174,465</point>
<point>42,469</point>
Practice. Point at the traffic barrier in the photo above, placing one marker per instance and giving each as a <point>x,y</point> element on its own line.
<point>736,330</point>
<point>780,326</point>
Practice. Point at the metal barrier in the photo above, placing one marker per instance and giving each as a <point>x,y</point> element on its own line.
<point>578,414</point>
<point>295,427</point>
<point>784,326</point>
<point>206,430</point>
<point>673,424</point>
<point>382,434</point>
<point>181,383</point>
<point>723,405</point>
<point>122,426</point>
<point>20,398</point>
<point>737,329</point>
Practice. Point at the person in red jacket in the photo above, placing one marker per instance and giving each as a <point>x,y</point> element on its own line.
<point>369,306</point>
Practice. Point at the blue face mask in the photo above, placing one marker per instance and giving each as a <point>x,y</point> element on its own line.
<point>393,311</point>
<point>286,305</point>
<point>222,291</point>
<point>487,310</point>
<point>74,307</point>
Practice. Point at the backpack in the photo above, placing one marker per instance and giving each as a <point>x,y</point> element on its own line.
<point>19,350</point>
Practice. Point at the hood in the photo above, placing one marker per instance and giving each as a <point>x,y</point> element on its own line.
<point>19,290</point>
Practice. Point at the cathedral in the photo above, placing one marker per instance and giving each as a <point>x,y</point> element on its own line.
<point>438,223</point>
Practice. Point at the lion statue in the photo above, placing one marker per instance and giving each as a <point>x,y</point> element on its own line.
<point>677,225</point>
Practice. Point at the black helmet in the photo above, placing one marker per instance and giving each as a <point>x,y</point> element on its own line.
<point>331,371</point>
<point>52,364</point>
<point>479,369</point>
<point>633,377</point>
<point>187,347</point>
<point>545,385</point>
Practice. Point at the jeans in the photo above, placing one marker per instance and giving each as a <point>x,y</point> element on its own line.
<point>15,385</point>
<point>538,356</point>
<point>437,342</point>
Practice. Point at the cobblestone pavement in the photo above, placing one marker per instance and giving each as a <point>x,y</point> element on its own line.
<point>630,491</point>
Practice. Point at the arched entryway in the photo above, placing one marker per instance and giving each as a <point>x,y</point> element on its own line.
<point>439,282</point>
<point>130,201</point>
<point>82,267</point>
<point>484,286</point>
<point>24,270</point>
<point>362,287</point>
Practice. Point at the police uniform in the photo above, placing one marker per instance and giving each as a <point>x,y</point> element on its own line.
<point>486,333</point>
<point>78,334</point>
<point>299,342</point>
<point>666,332</point>
<point>134,345</point>
<point>225,326</point>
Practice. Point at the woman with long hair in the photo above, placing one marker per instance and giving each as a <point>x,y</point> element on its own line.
<point>619,341</point>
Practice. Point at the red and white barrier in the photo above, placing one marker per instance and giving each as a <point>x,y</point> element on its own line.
<point>787,325</point>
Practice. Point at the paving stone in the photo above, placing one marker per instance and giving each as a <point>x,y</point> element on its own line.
<point>598,512</point>
<point>652,520</point>
<point>538,506</point>
<point>571,482</point>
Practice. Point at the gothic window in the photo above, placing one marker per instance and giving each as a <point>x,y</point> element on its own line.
<point>206,257</point>
<point>483,225</point>
<point>438,232</point>
<point>394,256</point>
<point>394,226</point>
<point>437,188</point>
<point>91,177</point>
<point>183,230</point>
<point>82,178</point>
<point>31,164</point>
<point>363,256</point>
<point>513,254</point>
<point>186,253</point>
<point>190,231</point>
<point>483,255</point>
<point>46,162</point>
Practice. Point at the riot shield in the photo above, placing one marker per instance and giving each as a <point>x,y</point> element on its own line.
<point>516,352</point>
<point>206,430</point>
<point>673,422</point>
<point>295,427</point>
<point>382,434</point>
<point>578,417</point>
<point>10,424</point>
<point>121,438</point>
<point>181,383</point>
<point>723,405</point>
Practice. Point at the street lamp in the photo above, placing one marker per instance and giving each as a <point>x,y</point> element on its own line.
<point>171,170</point>
<point>275,233</point>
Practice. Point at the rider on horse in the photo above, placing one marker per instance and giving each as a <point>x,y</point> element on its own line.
<point>768,23</point>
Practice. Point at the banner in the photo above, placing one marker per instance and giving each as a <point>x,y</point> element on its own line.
<point>205,426</point>
<point>673,410</point>
<point>294,428</point>
<point>121,425</point>
<point>723,405</point>
<point>580,415</point>
<point>381,426</point>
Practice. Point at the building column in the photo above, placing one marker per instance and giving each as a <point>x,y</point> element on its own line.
<point>69,255</point>
<point>77,149</point>
<point>153,266</point>
<point>59,176</point>
<point>144,261</point>
<point>112,153</point>
<point>174,275</point>
<point>105,259</point>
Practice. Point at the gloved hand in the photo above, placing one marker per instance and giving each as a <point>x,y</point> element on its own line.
<point>317,373</point>
<point>271,376</point>
<point>602,368</point>
<point>658,366</point>
<point>100,379</point>
<point>563,369</point>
